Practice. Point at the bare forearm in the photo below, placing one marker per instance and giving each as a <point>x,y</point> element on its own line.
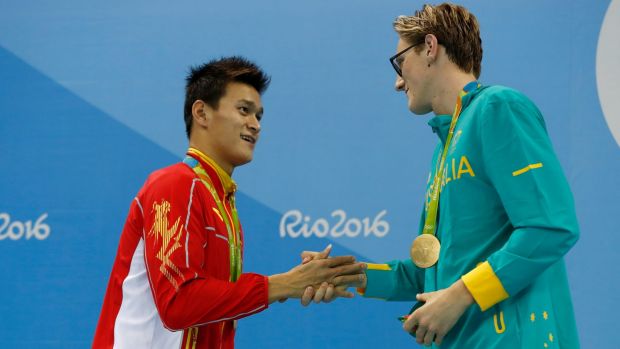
<point>278,288</point>
<point>461,293</point>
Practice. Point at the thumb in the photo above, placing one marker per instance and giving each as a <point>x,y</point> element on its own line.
<point>424,297</point>
<point>325,253</point>
<point>307,256</point>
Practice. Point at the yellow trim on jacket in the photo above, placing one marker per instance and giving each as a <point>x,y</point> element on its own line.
<point>485,286</point>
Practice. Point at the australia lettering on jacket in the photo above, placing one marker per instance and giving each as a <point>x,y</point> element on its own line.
<point>453,171</point>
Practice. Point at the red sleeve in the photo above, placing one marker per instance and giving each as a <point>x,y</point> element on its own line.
<point>185,294</point>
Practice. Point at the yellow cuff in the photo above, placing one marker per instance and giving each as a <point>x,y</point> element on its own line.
<point>373,266</point>
<point>484,286</point>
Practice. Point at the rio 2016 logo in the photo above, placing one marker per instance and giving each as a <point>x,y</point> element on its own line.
<point>295,224</point>
<point>16,230</point>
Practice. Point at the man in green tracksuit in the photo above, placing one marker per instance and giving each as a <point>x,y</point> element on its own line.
<point>505,215</point>
<point>506,220</point>
<point>498,209</point>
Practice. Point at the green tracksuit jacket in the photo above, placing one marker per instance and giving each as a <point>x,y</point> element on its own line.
<point>506,219</point>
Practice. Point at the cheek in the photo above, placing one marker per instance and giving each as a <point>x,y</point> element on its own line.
<point>409,78</point>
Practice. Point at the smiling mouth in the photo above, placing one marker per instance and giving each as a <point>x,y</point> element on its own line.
<point>248,139</point>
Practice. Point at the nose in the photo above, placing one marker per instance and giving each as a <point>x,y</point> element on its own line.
<point>399,84</point>
<point>254,124</point>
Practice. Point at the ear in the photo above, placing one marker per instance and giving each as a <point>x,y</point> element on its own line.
<point>431,47</point>
<point>201,113</point>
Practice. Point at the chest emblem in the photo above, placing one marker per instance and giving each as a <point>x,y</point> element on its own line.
<point>170,236</point>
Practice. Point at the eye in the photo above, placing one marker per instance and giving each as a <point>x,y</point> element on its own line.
<point>244,110</point>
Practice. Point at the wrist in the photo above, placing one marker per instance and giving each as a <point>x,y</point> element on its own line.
<point>461,293</point>
<point>278,287</point>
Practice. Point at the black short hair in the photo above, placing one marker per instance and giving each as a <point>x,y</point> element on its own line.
<point>207,82</point>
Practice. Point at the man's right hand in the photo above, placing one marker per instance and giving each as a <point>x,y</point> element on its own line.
<point>319,273</point>
<point>327,292</point>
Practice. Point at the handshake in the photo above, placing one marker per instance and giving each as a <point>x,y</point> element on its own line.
<point>319,278</point>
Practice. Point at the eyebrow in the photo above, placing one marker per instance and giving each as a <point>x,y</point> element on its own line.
<point>253,106</point>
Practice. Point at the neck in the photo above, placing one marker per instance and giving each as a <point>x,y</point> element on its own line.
<point>451,83</point>
<point>205,149</point>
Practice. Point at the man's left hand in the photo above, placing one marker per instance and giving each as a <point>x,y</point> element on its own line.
<point>442,309</point>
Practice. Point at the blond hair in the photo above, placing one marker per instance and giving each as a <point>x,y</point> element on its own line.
<point>454,26</point>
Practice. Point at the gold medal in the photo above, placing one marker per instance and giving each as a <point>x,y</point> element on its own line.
<point>425,250</point>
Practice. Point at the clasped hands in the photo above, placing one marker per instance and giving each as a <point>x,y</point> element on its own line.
<point>331,289</point>
<point>318,277</point>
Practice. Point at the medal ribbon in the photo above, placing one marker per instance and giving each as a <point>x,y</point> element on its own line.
<point>430,224</point>
<point>230,220</point>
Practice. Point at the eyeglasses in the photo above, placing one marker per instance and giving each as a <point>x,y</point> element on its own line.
<point>396,60</point>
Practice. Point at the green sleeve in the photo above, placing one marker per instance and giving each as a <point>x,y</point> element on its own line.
<point>394,281</point>
<point>524,170</point>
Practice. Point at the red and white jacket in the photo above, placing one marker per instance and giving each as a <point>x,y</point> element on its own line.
<point>169,286</point>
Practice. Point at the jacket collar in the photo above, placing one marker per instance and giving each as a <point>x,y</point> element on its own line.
<point>222,181</point>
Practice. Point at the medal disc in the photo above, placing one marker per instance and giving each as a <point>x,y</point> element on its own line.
<point>425,250</point>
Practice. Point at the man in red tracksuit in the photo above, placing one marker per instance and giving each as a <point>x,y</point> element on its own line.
<point>177,280</point>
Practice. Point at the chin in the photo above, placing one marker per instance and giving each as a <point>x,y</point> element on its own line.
<point>419,109</point>
<point>243,160</point>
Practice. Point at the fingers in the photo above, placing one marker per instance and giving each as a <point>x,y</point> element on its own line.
<point>414,325</point>
<point>324,293</point>
<point>349,269</point>
<point>419,334</point>
<point>439,338</point>
<point>329,294</point>
<point>409,325</point>
<point>320,293</point>
<point>341,292</point>
<point>306,298</point>
<point>307,256</point>
<point>428,327</point>
<point>429,337</point>
<point>426,335</point>
<point>339,260</point>
<point>357,280</point>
